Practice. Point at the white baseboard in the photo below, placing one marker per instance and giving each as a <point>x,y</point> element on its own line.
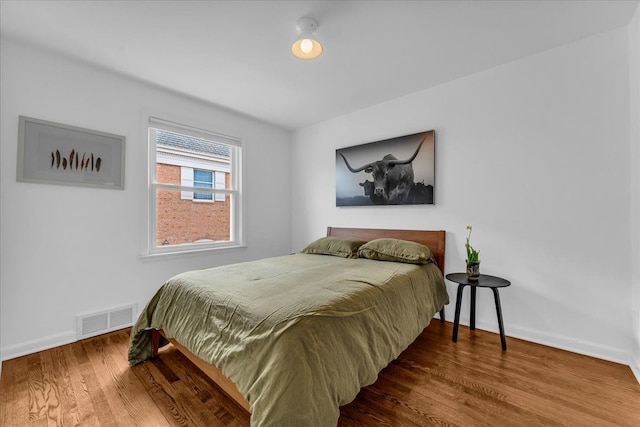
<point>33,346</point>
<point>552,340</point>
<point>574,345</point>
<point>586,348</point>
<point>635,366</point>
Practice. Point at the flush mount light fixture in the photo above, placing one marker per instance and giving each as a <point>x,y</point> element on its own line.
<point>306,45</point>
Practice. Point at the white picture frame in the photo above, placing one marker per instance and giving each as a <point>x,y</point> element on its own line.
<point>59,154</point>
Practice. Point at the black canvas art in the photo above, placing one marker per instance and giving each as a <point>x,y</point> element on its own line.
<point>396,171</point>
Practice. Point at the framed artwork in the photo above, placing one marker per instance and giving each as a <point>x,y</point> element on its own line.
<point>54,153</point>
<point>396,171</point>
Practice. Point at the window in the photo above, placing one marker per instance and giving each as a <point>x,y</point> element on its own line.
<point>195,195</point>
<point>202,179</point>
<point>190,177</point>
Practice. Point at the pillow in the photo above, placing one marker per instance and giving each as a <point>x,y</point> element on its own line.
<point>346,247</point>
<point>396,250</point>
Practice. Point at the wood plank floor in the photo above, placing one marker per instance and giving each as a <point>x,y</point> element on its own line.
<point>434,382</point>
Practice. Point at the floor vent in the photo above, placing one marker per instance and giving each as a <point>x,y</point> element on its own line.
<point>90,325</point>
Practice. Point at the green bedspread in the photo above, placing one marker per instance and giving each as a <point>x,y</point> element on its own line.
<point>300,334</point>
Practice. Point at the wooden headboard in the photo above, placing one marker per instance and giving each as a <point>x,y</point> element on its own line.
<point>433,239</point>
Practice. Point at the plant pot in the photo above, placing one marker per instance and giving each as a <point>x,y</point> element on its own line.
<point>473,270</point>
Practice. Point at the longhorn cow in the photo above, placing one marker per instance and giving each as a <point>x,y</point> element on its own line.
<point>392,178</point>
<point>367,186</point>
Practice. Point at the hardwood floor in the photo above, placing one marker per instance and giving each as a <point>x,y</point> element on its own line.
<point>434,382</point>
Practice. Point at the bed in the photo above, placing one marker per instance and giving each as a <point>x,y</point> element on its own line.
<point>292,338</point>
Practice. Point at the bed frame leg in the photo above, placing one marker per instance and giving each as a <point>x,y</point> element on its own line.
<point>442,315</point>
<point>155,342</point>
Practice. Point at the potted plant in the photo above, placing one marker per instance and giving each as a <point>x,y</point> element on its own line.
<point>473,261</point>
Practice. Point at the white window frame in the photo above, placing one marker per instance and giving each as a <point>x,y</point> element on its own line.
<point>236,226</point>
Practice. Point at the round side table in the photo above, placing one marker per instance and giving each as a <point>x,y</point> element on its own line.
<point>484,281</point>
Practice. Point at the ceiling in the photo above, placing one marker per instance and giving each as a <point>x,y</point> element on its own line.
<point>235,54</point>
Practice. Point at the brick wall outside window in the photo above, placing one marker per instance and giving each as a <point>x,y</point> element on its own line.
<point>185,221</point>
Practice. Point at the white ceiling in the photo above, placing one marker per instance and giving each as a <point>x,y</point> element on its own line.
<point>235,54</point>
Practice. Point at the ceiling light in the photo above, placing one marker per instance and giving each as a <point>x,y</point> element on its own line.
<point>306,45</point>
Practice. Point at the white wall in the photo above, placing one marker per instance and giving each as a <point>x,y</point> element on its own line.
<point>535,155</point>
<point>70,250</point>
<point>634,114</point>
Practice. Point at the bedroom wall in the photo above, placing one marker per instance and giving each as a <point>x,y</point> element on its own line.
<point>634,114</point>
<point>71,250</point>
<point>535,155</point>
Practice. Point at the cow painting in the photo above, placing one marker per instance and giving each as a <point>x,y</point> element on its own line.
<point>389,178</point>
<point>392,178</point>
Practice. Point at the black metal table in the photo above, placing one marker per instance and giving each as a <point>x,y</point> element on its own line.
<point>485,281</point>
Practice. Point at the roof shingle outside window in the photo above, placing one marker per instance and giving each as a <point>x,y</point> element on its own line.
<point>170,139</point>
